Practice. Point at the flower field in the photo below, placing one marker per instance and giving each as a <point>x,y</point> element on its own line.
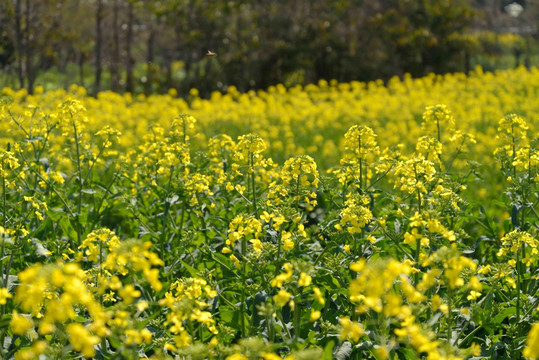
<point>331,221</point>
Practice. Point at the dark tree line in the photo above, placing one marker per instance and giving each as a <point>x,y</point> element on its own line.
<point>151,46</point>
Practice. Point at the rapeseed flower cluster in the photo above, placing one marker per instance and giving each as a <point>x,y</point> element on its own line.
<point>186,301</point>
<point>415,175</point>
<point>363,224</point>
<point>54,295</point>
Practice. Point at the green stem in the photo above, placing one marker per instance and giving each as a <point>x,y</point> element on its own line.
<point>450,294</point>
<point>450,165</point>
<point>4,213</point>
<point>529,166</point>
<point>319,257</point>
<point>182,217</point>
<point>374,182</point>
<point>244,285</point>
<point>519,277</point>
<point>280,316</point>
<point>8,268</point>
<point>100,268</point>
<point>4,216</point>
<point>163,236</point>
<point>200,333</point>
<point>418,241</point>
<point>79,170</point>
<point>297,316</point>
<point>203,221</point>
<point>514,151</point>
<point>252,176</point>
<point>297,189</point>
<point>269,325</point>
<point>279,249</point>
<point>417,253</point>
<point>417,189</point>
<point>360,164</point>
<point>470,334</point>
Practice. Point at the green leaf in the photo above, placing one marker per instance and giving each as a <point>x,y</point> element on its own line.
<point>503,315</point>
<point>191,270</point>
<point>328,351</point>
<point>66,227</point>
<point>408,353</point>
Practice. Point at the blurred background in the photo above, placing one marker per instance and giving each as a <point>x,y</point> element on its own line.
<point>143,46</point>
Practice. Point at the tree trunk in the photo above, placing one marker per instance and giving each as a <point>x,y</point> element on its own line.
<point>29,55</point>
<point>81,68</point>
<point>115,63</point>
<point>467,61</point>
<point>527,53</point>
<point>98,43</point>
<point>179,54</point>
<point>129,39</point>
<point>168,81</point>
<point>64,61</point>
<point>18,42</point>
<point>149,62</point>
<point>243,73</point>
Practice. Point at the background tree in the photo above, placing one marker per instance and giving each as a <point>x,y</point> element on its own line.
<point>98,43</point>
<point>148,46</point>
